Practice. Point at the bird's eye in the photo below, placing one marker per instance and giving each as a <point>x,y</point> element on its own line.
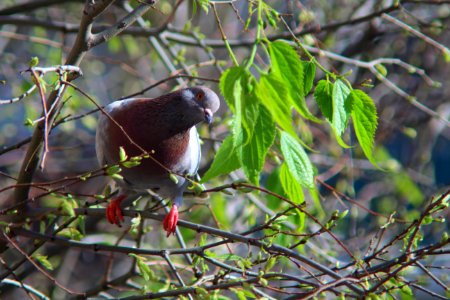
<point>199,96</point>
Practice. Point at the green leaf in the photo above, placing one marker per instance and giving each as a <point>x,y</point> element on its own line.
<point>85,176</point>
<point>197,188</point>
<point>286,63</point>
<point>28,122</point>
<point>201,293</point>
<point>341,106</point>
<point>309,68</point>
<point>250,106</point>
<point>174,178</point>
<point>202,240</point>
<point>271,91</point>
<point>270,264</point>
<point>237,132</point>
<point>43,260</point>
<point>113,170</point>
<point>204,4</point>
<point>226,160</point>
<point>446,55</point>
<point>444,237</point>
<point>117,176</point>
<point>34,61</point>
<point>210,254</point>
<point>290,185</point>
<point>239,293</point>
<point>229,257</point>
<point>381,69</point>
<point>122,155</point>
<point>288,67</point>
<point>407,290</point>
<point>264,282</point>
<point>253,153</point>
<point>130,164</point>
<point>340,140</point>
<point>322,95</point>
<point>67,207</point>
<point>71,233</point>
<point>227,85</point>
<point>144,269</point>
<point>82,224</point>
<point>294,191</point>
<point>231,85</point>
<point>297,160</point>
<point>365,122</point>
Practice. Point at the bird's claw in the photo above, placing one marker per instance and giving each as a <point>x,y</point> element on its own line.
<point>171,220</point>
<point>114,211</point>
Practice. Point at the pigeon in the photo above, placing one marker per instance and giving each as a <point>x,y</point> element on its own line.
<point>162,130</point>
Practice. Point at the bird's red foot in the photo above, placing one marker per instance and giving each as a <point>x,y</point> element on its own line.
<point>171,220</point>
<point>114,212</point>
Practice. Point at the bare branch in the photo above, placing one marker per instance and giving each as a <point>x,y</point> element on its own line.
<point>37,266</point>
<point>101,37</point>
<point>31,5</point>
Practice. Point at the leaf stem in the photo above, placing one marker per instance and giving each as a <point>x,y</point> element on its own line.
<point>224,37</point>
<point>303,48</point>
<point>257,38</point>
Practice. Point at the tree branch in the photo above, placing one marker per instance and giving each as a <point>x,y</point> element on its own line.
<point>82,44</point>
<point>32,5</point>
<point>120,26</point>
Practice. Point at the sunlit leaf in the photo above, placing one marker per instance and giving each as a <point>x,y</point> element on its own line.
<point>34,61</point>
<point>364,115</point>
<point>446,55</point>
<point>341,106</point>
<point>204,4</point>
<point>225,161</point>
<point>227,85</point>
<point>270,91</point>
<point>288,67</point>
<point>232,85</point>
<point>253,153</point>
<point>71,233</point>
<point>309,68</point>
<point>323,96</point>
<point>293,190</point>
<point>43,260</point>
<point>144,269</point>
<point>297,160</point>
<point>290,185</point>
<point>382,69</point>
<point>122,155</point>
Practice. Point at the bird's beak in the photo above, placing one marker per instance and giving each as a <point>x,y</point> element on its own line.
<point>208,116</point>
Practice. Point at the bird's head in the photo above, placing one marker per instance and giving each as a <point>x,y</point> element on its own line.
<point>202,101</point>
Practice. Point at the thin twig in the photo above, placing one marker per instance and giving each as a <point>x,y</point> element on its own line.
<point>28,288</point>
<point>17,280</point>
<point>415,32</point>
<point>39,268</point>
<point>224,37</point>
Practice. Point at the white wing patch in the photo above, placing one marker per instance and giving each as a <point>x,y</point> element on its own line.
<point>196,153</point>
<point>117,105</point>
